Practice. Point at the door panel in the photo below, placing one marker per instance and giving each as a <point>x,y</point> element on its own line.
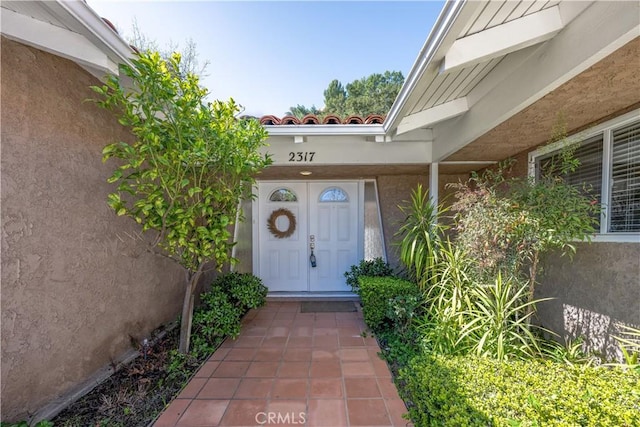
<point>283,261</point>
<point>334,222</point>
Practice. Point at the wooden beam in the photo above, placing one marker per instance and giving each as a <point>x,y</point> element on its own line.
<point>597,32</point>
<point>433,115</point>
<point>503,39</point>
<point>56,40</point>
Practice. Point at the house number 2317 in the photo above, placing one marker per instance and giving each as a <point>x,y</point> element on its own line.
<point>301,156</point>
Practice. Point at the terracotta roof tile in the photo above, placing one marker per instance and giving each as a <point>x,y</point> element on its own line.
<point>331,119</point>
<point>289,120</point>
<point>376,119</point>
<point>310,119</point>
<point>269,120</point>
<point>354,120</point>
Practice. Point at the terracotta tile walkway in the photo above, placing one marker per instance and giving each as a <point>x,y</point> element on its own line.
<point>289,368</point>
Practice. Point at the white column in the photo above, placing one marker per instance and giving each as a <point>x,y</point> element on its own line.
<point>433,183</point>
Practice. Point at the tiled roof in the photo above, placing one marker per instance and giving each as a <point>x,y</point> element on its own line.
<point>311,119</point>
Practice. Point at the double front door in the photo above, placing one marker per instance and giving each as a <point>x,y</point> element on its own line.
<point>308,234</point>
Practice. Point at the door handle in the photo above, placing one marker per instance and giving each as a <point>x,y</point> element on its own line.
<point>312,246</point>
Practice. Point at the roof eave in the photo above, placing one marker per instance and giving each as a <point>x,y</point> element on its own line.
<point>447,17</point>
<point>325,130</point>
<point>99,29</point>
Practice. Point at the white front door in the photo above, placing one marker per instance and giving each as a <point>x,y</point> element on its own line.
<point>295,219</point>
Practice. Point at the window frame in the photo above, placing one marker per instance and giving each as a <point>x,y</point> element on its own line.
<point>606,130</point>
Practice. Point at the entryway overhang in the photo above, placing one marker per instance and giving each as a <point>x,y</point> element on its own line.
<point>492,77</point>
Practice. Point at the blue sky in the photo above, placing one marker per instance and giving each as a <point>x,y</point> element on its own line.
<point>270,56</point>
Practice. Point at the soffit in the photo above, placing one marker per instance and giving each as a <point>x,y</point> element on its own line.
<point>436,87</point>
<point>608,88</point>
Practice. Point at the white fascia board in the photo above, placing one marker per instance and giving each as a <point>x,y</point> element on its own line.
<point>433,115</point>
<point>98,29</point>
<point>503,39</point>
<point>55,40</point>
<point>597,32</point>
<point>324,130</point>
<point>441,30</point>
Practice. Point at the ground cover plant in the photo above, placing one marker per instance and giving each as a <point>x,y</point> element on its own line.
<point>137,392</point>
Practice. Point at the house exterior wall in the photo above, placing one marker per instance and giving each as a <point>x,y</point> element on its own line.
<point>592,294</point>
<point>75,285</point>
<point>595,291</point>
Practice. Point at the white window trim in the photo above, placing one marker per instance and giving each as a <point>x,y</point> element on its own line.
<point>606,129</point>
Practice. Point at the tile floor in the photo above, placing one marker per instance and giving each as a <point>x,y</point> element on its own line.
<point>291,369</point>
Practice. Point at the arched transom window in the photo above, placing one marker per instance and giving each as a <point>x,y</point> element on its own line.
<point>334,194</point>
<point>283,195</point>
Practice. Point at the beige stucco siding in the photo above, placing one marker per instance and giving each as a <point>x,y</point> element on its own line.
<point>75,286</point>
<point>592,294</point>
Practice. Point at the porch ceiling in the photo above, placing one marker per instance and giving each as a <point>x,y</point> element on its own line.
<point>610,87</point>
<point>340,172</point>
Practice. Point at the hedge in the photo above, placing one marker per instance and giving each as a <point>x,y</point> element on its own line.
<point>375,293</point>
<point>474,391</point>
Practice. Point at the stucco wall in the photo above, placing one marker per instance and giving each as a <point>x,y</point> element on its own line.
<point>597,290</point>
<point>74,285</point>
<point>393,190</point>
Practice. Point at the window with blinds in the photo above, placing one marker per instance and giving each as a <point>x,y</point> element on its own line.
<point>625,179</point>
<point>587,177</point>
<point>610,158</point>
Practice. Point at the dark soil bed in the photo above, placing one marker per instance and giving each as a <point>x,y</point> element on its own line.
<point>136,393</point>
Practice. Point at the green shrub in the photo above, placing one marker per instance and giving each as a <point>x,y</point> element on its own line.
<point>376,294</point>
<point>476,391</point>
<point>214,320</point>
<point>374,268</point>
<point>244,289</point>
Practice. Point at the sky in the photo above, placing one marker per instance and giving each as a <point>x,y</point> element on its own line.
<point>272,55</point>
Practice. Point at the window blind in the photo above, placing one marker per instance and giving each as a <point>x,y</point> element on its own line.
<point>625,179</point>
<point>588,176</point>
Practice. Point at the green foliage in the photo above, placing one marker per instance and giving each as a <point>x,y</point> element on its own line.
<point>190,164</point>
<point>187,168</point>
<point>300,111</point>
<point>372,268</point>
<point>377,295</point>
<point>244,289</point>
<point>373,94</point>
<point>570,352</point>
<point>402,311</point>
<point>420,236</point>
<point>218,317</point>
<point>477,391</point>
<point>508,223</point>
<point>630,347</point>
<point>43,423</point>
<point>496,323</point>
<point>447,299</point>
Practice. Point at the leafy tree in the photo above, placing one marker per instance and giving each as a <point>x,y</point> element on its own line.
<point>300,111</point>
<point>373,94</point>
<point>508,223</point>
<point>335,98</point>
<point>189,166</point>
<point>190,61</point>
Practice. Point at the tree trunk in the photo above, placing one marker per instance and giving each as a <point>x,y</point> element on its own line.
<point>187,309</point>
<point>533,268</point>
